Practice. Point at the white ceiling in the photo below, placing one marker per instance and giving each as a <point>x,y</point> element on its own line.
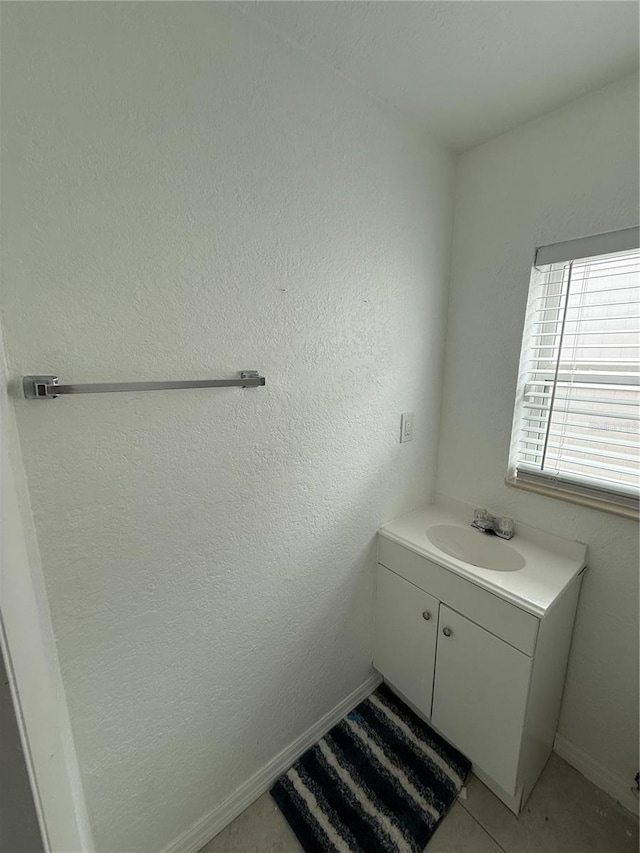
<point>471,69</point>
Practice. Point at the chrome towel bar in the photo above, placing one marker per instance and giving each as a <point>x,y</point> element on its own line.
<point>47,387</point>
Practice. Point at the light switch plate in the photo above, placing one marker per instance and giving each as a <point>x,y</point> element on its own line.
<point>406,427</point>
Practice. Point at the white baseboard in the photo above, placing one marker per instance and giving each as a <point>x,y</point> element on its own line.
<point>610,783</point>
<point>192,839</point>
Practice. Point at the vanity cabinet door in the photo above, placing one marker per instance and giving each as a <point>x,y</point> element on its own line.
<point>405,637</point>
<point>480,696</point>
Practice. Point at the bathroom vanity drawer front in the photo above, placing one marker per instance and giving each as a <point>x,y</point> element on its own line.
<point>501,618</point>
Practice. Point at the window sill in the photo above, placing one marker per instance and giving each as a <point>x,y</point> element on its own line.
<point>570,496</point>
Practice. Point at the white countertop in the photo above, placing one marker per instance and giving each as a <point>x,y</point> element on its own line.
<point>551,562</point>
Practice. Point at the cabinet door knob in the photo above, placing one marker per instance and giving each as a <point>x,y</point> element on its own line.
<point>426,615</point>
<point>447,632</point>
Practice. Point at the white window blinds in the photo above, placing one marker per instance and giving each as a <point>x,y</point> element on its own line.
<point>577,419</point>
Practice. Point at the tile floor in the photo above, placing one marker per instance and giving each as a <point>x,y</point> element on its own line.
<point>565,814</point>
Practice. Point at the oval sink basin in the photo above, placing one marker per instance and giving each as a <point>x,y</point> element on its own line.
<point>476,548</point>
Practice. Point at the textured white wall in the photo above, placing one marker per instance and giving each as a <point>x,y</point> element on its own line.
<point>184,198</point>
<point>571,173</point>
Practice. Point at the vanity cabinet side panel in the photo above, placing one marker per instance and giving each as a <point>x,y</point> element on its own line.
<point>547,685</point>
<point>406,626</point>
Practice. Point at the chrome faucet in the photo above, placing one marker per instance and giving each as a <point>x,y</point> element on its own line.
<point>501,526</point>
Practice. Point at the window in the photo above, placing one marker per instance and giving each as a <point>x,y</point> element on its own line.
<point>576,430</point>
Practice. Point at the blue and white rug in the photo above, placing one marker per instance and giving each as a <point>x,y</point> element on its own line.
<point>379,782</point>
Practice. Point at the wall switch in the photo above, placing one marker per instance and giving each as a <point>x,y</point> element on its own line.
<point>406,426</point>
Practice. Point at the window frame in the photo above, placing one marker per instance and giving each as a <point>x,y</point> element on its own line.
<point>576,489</point>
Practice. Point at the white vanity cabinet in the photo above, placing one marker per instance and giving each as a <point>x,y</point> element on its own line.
<point>485,673</point>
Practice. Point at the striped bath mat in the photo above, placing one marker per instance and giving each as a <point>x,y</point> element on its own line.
<point>379,782</point>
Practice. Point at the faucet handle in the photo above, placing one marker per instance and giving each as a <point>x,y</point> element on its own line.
<point>504,528</point>
<point>482,519</point>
